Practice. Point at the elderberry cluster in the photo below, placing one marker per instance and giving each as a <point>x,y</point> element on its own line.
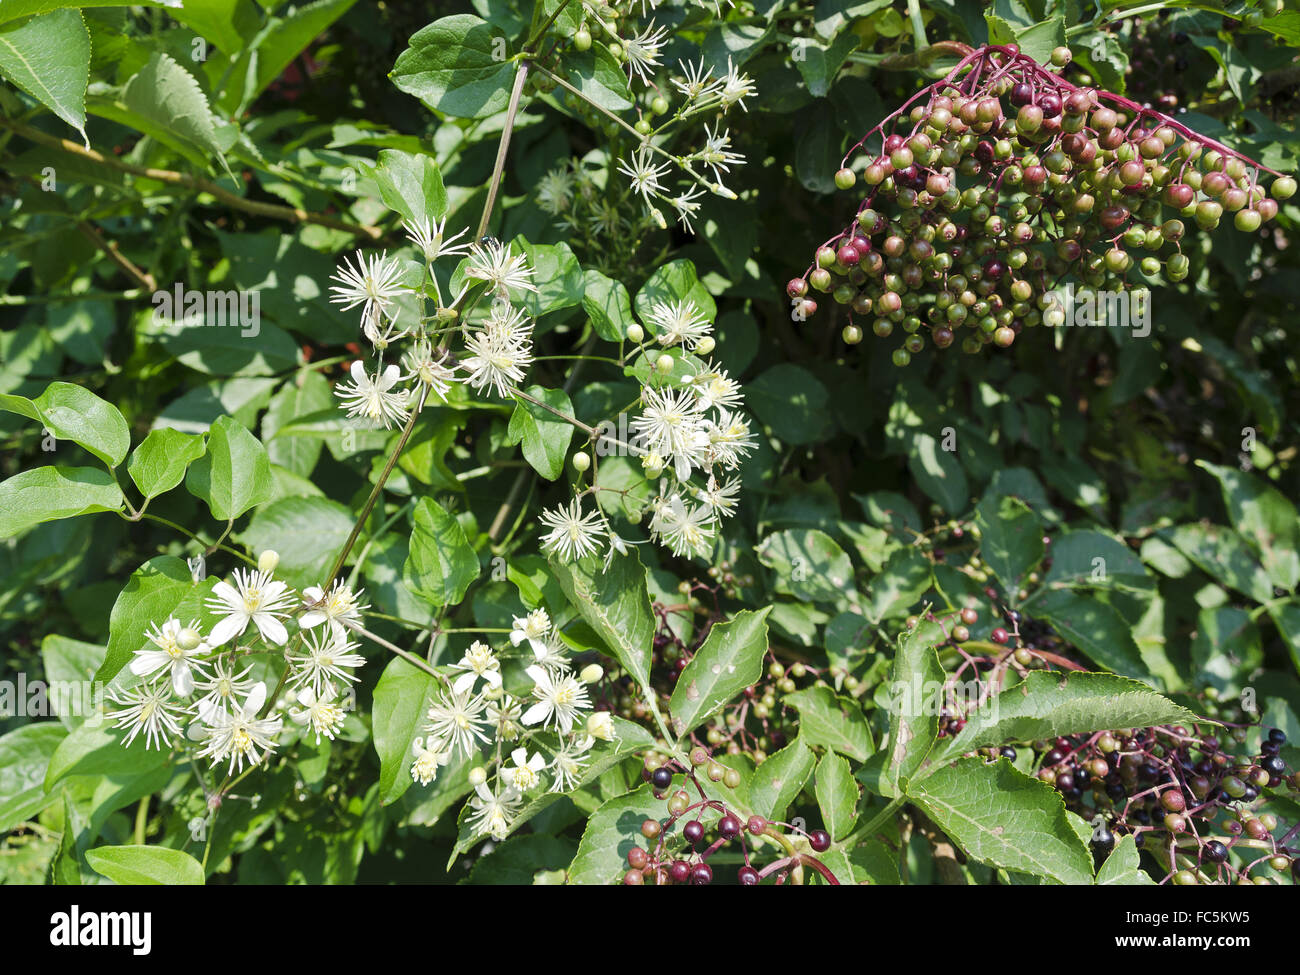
<point>678,849</point>
<point>1186,797</point>
<point>1005,181</point>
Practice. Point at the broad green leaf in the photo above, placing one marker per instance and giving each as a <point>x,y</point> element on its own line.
<point>75,413</point>
<point>557,277</point>
<point>791,401</point>
<point>808,564</point>
<point>837,795</point>
<point>65,868</point>
<point>17,9</point>
<point>544,435</point>
<point>160,461</point>
<point>871,862</point>
<point>458,65</point>
<point>96,749</point>
<point>49,58</point>
<point>1039,40</point>
<point>1047,705</point>
<point>307,532</point>
<point>441,563</point>
<point>1002,817</point>
<point>1093,560</point>
<point>24,755</point>
<point>1265,518</point>
<point>915,699</point>
<point>401,699</point>
<point>162,587</point>
<point>168,96</point>
<point>608,305</point>
<point>899,584</point>
<point>602,851</point>
<point>301,396</point>
<point>291,32</point>
<point>70,666</point>
<point>1011,541</point>
<point>146,865</point>
<point>1095,628</point>
<point>1224,556</point>
<point>411,185</point>
<point>670,283</point>
<point>827,720</point>
<point>616,604</point>
<point>49,493</point>
<point>820,63</point>
<point>600,78</point>
<point>779,780</point>
<point>1286,617</point>
<point>1122,868</point>
<point>1227,651</point>
<point>234,474</point>
<point>729,661</point>
<point>938,474</point>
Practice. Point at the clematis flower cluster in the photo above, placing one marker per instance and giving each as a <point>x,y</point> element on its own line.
<point>495,335</point>
<point>690,436</point>
<point>196,691</point>
<point>540,743</point>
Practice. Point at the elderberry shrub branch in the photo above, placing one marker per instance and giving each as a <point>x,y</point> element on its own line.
<point>977,213</point>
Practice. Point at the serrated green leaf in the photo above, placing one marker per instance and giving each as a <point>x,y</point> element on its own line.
<point>1001,816</point>
<point>49,58</point>
<point>1011,541</point>
<point>778,781</point>
<point>915,698</point>
<point>827,720</point>
<point>1123,867</point>
<point>1095,628</point>
<point>1047,705</point>
<point>729,661</point>
<point>616,604</point>
<point>837,795</point>
<point>168,96</point>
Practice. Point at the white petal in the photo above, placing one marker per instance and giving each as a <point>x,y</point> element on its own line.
<point>359,372</point>
<point>271,628</point>
<point>311,618</point>
<point>464,682</point>
<point>536,713</point>
<point>256,698</point>
<point>229,627</point>
<point>182,679</point>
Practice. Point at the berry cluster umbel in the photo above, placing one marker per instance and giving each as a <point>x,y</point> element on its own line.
<point>990,188</point>
<point>678,849</point>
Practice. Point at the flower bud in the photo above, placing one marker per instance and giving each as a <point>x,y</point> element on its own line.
<point>705,345</point>
<point>477,776</point>
<point>189,638</point>
<point>581,461</point>
<point>635,333</point>
<point>600,724</point>
<point>268,560</point>
<point>591,673</point>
